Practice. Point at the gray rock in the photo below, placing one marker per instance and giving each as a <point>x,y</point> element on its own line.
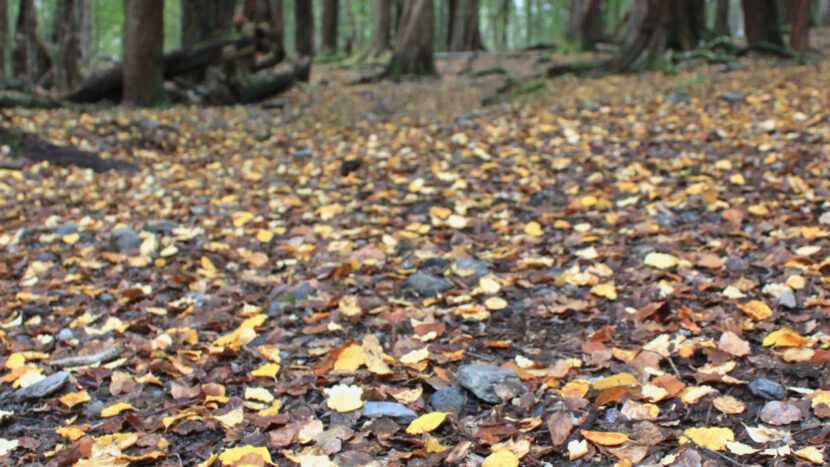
<point>148,125</point>
<point>123,239</point>
<point>303,153</point>
<point>482,380</point>
<point>787,300</point>
<point>736,264</point>
<point>733,97</point>
<point>93,409</point>
<point>767,389</point>
<point>66,334</point>
<point>66,229</point>
<point>451,399</point>
<point>426,285</point>
<point>161,226</point>
<point>666,220</point>
<point>43,388</point>
<point>274,104</point>
<point>388,409</point>
<point>303,291</point>
<point>481,267</point>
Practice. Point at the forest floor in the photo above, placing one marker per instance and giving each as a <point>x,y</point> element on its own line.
<point>643,260</point>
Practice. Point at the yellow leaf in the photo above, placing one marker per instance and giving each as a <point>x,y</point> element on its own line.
<point>757,310</point>
<point>207,263</point>
<point>439,212</point>
<point>15,360</point>
<point>71,433</point>
<point>577,449</point>
<point>373,355</point>
<point>259,394</point>
<point>71,239</point>
<point>607,290</point>
<point>740,449</point>
<point>344,398</point>
<point>714,438</point>
<point>503,458</point>
<point>796,282</point>
<point>116,409</point>
<point>264,235</point>
<point>350,358</point>
<point>271,411</point>
<point>807,250</point>
<point>426,423</point>
<point>737,179</point>
<point>269,370</point>
<point>812,454</point>
<point>457,222</point>
<point>230,456</point>
<point>270,352</point>
<point>615,381</point>
<point>575,389</point>
<point>785,338</point>
<point>604,438</point>
<point>433,445</point>
<point>232,418</point>
<point>74,398</point>
<point>241,218</point>
<point>534,229</point>
<point>728,405</point>
<point>348,306</point>
<point>415,356</point>
<point>489,285</point>
<point>495,303</point>
<point>661,260</point>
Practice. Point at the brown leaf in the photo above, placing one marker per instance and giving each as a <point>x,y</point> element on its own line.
<point>560,426</point>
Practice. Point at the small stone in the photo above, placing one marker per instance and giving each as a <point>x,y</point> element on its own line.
<point>666,220</point>
<point>780,413</point>
<point>733,97</point>
<point>303,291</point>
<point>480,267</point>
<point>736,264</point>
<point>148,125</point>
<point>482,380</point>
<point>44,387</point>
<point>767,389</point>
<point>426,285</point>
<point>303,153</point>
<point>124,239</point>
<point>451,399</point>
<point>824,219</point>
<point>388,409</point>
<point>787,300</point>
<point>66,229</point>
<point>66,334</point>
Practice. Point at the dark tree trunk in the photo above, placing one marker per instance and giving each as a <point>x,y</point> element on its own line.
<point>413,46</point>
<point>799,30</point>
<point>722,18</point>
<point>383,25</point>
<point>206,21</point>
<point>529,22</point>
<point>592,28</point>
<point>636,14</point>
<point>4,36</point>
<point>825,14</point>
<point>30,58</point>
<point>466,34</point>
<point>786,11</point>
<point>677,25</point>
<point>761,23</point>
<point>329,27</point>
<point>304,28</point>
<point>506,7</point>
<point>143,52</point>
<point>67,41</point>
<point>452,9</point>
<point>575,16</point>
<point>264,16</point>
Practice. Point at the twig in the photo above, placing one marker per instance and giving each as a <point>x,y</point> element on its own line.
<point>86,360</point>
<point>712,451</point>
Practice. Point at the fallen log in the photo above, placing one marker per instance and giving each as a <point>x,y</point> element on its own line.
<point>269,86</point>
<point>107,84</point>
<point>34,148</point>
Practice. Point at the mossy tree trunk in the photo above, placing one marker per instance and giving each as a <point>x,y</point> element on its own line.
<point>413,47</point>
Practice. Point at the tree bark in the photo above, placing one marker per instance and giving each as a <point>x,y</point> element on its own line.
<point>413,46</point>
<point>30,58</point>
<point>799,29</point>
<point>529,22</point>
<point>636,14</point>
<point>67,41</point>
<point>576,12</point>
<point>205,21</point>
<point>506,8</point>
<point>825,14</point>
<point>761,24</point>
<point>383,25</point>
<point>264,16</point>
<point>466,34</point>
<point>592,27</point>
<point>722,18</point>
<point>4,36</point>
<point>329,27</point>
<point>786,11</point>
<point>143,52</point>
<point>452,9</point>
<point>304,28</point>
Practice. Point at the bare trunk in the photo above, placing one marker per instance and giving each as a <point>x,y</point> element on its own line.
<point>67,41</point>
<point>466,34</point>
<point>413,46</point>
<point>329,26</point>
<point>383,24</point>
<point>635,19</point>
<point>799,30</point>
<point>761,23</point>
<point>576,11</point>
<point>592,28</point>
<point>506,7</point>
<point>722,18</point>
<point>452,10</point>
<point>4,36</point>
<point>264,15</point>
<point>529,22</point>
<point>825,14</point>
<point>143,52</point>
<point>203,21</point>
<point>304,30</point>
<point>30,58</point>
<point>786,11</point>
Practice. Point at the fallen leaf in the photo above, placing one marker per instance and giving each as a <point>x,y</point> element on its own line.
<point>426,423</point>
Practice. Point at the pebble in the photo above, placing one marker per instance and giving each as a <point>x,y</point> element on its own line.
<point>123,239</point>
<point>480,267</point>
<point>482,380</point>
<point>733,97</point>
<point>426,285</point>
<point>767,389</point>
<point>66,229</point>
<point>736,264</point>
<point>66,334</point>
<point>388,409</point>
<point>787,300</point>
<point>451,399</point>
<point>44,387</point>
<point>303,291</point>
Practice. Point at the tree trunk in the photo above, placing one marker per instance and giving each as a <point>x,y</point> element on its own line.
<point>264,16</point>
<point>329,27</point>
<point>786,11</point>
<point>413,46</point>
<point>143,52</point>
<point>799,30</point>
<point>677,25</point>
<point>592,28</point>
<point>203,21</point>
<point>466,34</point>
<point>67,41</point>
<point>825,14</point>
<point>529,22</point>
<point>452,9</point>
<point>31,60</point>
<point>506,7</point>
<point>636,14</point>
<point>304,28</point>
<point>4,36</point>
<point>383,25</point>
<point>576,12</point>
<point>761,23</point>
<point>722,18</point>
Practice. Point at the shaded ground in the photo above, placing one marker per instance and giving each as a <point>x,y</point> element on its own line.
<point>642,241</point>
